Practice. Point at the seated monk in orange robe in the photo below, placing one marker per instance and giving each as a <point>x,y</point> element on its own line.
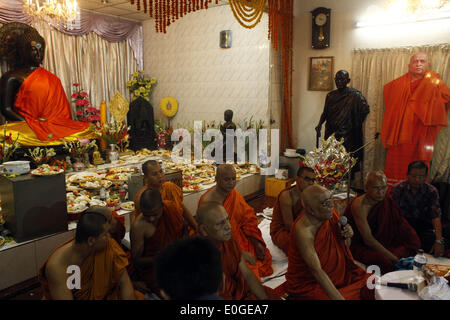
<point>102,274</point>
<point>154,179</point>
<point>320,265</point>
<point>288,206</point>
<point>160,223</point>
<point>240,283</point>
<point>117,223</point>
<point>32,96</point>
<point>416,106</point>
<point>242,218</point>
<point>382,235</point>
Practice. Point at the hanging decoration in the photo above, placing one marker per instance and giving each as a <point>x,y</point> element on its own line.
<point>248,12</point>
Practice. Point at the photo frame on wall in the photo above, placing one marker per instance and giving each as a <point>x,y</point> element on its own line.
<point>321,73</point>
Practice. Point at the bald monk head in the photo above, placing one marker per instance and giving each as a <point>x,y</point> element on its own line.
<point>153,174</point>
<point>107,212</point>
<point>226,177</point>
<point>92,231</point>
<point>376,185</point>
<point>213,222</point>
<point>151,205</point>
<point>317,202</point>
<point>418,65</point>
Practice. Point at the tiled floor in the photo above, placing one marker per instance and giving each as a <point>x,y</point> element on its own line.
<point>31,289</point>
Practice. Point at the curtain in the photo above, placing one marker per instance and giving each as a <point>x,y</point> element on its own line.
<point>371,70</point>
<point>100,67</point>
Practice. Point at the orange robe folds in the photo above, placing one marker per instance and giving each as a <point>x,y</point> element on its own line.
<point>235,287</point>
<point>278,230</point>
<point>413,116</point>
<point>169,229</point>
<point>42,96</point>
<point>169,191</point>
<point>390,229</point>
<point>335,259</point>
<point>100,274</point>
<point>245,224</point>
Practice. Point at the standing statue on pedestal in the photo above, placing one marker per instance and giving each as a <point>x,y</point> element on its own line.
<point>229,124</point>
<point>30,96</point>
<point>344,112</point>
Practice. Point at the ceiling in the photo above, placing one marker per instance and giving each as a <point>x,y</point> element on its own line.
<point>122,8</point>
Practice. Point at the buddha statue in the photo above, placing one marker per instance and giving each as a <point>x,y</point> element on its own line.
<point>32,99</point>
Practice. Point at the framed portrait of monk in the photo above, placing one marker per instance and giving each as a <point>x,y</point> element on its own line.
<point>321,73</point>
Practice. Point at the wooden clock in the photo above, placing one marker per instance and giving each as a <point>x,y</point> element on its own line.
<point>320,28</point>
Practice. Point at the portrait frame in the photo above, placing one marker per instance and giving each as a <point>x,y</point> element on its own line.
<point>321,71</point>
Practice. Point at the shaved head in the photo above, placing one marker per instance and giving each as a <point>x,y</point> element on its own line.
<point>374,176</point>
<point>318,202</point>
<point>376,185</point>
<point>418,65</point>
<point>224,168</point>
<point>310,194</point>
<point>226,177</point>
<point>204,211</point>
<point>213,221</point>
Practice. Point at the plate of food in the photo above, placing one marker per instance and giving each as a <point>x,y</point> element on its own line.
<point>46,170</point>
<point>129,205</point>
<point>92,185</point>
<point>191,188</point>
<point>2,241</point>
<point>97,202</point>
<point>76,208</point>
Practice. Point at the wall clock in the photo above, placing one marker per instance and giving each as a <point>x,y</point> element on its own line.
<point>320,28</point>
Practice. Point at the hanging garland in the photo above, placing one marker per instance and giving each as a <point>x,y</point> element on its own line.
<point>248,13</point>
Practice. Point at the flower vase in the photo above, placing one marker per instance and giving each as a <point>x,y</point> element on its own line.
<point>113,154</point>
<point>78,165</point>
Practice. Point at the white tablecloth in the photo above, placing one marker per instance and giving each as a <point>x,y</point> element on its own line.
<point>389,293</point>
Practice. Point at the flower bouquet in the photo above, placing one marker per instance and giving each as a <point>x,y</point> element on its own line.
<point>78,148</point>
<point>41,155</point>
<point>331,162</point>
<point>140,86</point>
<point>84,111</point>
<point>7,145</point>
<point>114,133</point>
<point>62,164</point>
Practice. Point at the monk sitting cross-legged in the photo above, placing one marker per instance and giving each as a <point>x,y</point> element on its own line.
<point>240,283</point>
<point>288,207</point>
<point>320,265</point>
<point>102,265</point>
<point>160,223</point>
<point>154,179</point>
<point>382,235</point>
<point>242,218</point>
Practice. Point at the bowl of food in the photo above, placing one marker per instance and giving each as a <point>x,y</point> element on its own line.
<point>16,167</point>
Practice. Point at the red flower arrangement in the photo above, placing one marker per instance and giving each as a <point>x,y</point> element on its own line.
<point>84,111</point>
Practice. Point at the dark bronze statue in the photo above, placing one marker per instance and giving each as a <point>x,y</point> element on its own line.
<point>22,47</point>
<point>229,124</point>
<point>344,112</point>
<point>141,119</point>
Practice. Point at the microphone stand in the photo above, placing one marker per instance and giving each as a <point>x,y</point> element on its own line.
<point>350,164</point>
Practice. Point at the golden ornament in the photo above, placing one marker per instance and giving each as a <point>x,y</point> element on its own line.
<point>118,107</point>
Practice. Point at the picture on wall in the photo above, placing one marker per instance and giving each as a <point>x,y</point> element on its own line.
<point>320,73</point>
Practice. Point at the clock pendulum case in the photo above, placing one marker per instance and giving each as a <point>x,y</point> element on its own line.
<point>320,35</point>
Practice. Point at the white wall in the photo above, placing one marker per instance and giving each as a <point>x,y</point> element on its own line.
<point>205,79</point>
<point>308,105</point>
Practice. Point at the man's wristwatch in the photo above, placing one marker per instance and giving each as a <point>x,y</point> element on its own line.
<point>440,241</point>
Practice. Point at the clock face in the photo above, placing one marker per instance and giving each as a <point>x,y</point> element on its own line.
<point>321,19</point>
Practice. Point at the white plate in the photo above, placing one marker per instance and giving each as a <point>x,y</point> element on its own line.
<point>291,155</point>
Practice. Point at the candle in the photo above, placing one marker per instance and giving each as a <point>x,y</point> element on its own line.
<point>102,123</point>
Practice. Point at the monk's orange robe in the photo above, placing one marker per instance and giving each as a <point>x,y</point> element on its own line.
<point>235,287</point>
<point>278,231</point>
<point>414,114</point>
<point>245,224</point>
<point>336,260</point>
<point>169,191</point>
<point>41,95</point>
<point>100,274</point>
<point>169,228</point>
<point>390,228</point>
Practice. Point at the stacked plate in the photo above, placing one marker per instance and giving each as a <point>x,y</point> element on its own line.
<point>291,153</point>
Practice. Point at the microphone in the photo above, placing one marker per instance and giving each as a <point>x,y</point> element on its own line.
<point>408,286</point>
<point>343,220</point>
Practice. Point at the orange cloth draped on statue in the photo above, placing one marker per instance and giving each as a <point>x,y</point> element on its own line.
<point>278,231</point>
<point>390,229</point>
<point>235,287</point>
<point>245,224</point>
<point>100,274</point>
<point>169,191</point>
<point>414,114</point>
<point>169,229</point>
<point>335,259</point>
